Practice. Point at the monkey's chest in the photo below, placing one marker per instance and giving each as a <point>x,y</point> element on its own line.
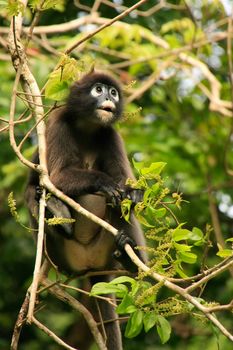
<point>94,256</point>
<point>89,160</point>
<point>93,246</point>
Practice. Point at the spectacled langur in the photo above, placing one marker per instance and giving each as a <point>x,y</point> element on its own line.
<point>87,161</point>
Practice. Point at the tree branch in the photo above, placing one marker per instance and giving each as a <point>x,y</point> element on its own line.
<point>52,334</point>
<point>178,290</point>
<point>109,23</point>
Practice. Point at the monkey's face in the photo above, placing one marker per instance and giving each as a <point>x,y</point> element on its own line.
<point>107,98</point>
<point>95,99</point>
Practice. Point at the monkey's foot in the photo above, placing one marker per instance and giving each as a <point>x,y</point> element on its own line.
<point>38,194</point>
<point>120,254</point>
<point>57,209</point>
<point>121,240</point>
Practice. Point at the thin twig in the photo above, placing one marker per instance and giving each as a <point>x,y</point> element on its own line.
<point>51,334</point>
<point>210,275</point>
<point>39,253</point>
<point>109,300</point>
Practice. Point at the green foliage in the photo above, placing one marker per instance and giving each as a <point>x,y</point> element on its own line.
<point>67,71</point>
<point>12,206</point>
<point>138,299</point>
<point>43,5</point>
<point>13,7</point>
<point>14,212</point>
<point>172,244</point>
<point>185,27</point>
<point>171,249</point>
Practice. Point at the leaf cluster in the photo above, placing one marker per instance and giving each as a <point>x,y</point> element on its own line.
<point>172,243</point>
<point>66,72</point>
<point>141,316</point>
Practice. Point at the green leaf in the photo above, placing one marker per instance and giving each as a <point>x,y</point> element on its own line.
<point>229,240</point>
<point>180,234</point>
<point>180,271</point>
<point>123,279</point>
<point>125,209</point>
<point>163,329</point>
<point>56,89</point>
<point>138,165</point>
<point>106,288</point>
<point>182,247</point>
<point>154,168</point>
<point>153,214</point>
<point>60,79</point>
<point>149,320</point>
<point>126,306</point>
<point>155,188</point>
<point>224,253</point>
<point>143,221</point>
<point>14,7</point>
<point>187,257</point>
<point>196,234</point>
<point>179,25</point>
<point>134,324</point>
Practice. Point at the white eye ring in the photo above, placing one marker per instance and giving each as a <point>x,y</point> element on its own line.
<point>114,94</point>
<point>97,90</point>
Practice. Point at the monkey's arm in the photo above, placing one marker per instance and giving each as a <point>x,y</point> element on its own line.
<point>75,182</point>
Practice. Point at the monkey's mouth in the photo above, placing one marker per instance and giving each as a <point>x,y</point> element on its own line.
<point>106,110</point>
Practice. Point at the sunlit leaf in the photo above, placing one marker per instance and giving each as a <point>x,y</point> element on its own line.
<point>180,234</point>
<point>154,168</point>
<point>225,253</point>
<point>107,288</point>
<point>163,329</point>
<point>149,320</point>
<point>134,324</point>
<point>196,234</point>
<point>126,306</point>
<point>187,257</point>
<point>123,279</point>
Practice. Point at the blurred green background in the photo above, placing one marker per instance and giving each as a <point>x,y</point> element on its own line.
<point>177,125</point>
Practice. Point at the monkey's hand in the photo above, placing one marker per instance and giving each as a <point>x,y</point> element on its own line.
<point>113,193</point>
<point>134,194</point>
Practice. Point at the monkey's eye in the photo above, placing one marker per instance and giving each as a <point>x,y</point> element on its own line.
<point>114,94</point>
<point>97,90</point>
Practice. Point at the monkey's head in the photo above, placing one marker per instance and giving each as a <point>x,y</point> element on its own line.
<point>95,99</point>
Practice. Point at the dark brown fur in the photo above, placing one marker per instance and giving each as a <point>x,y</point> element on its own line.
<point>86,158</point>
